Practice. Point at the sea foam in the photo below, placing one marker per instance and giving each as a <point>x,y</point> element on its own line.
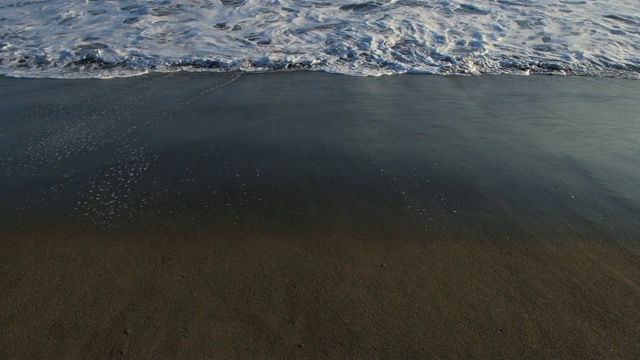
<point>92,39</point>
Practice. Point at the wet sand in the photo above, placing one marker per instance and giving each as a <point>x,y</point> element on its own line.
<point>307,215</point>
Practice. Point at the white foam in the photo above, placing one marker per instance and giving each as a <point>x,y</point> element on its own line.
<point>55,38</point>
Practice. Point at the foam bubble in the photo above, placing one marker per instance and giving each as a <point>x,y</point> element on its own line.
<point>52,38</point>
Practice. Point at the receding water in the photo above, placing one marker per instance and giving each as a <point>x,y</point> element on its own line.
<point>496,155</point>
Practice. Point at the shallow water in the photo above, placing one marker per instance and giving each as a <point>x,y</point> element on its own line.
<point>55,38</point>
<point>495,156</point>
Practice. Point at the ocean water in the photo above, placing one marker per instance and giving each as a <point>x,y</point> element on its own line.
<point>117,38</point>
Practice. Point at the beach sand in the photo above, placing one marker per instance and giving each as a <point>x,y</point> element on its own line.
<point>307,215</point>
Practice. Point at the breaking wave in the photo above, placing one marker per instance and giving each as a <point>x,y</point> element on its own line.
<point>93,39</point>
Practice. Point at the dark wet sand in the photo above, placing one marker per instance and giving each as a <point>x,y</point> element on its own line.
<point>316,216</point>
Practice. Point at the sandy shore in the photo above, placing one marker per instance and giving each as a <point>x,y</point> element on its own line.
<point>73,295</point>
<point>318,216</point>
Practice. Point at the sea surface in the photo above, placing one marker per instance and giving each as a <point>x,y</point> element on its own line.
<point>119,38</point>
